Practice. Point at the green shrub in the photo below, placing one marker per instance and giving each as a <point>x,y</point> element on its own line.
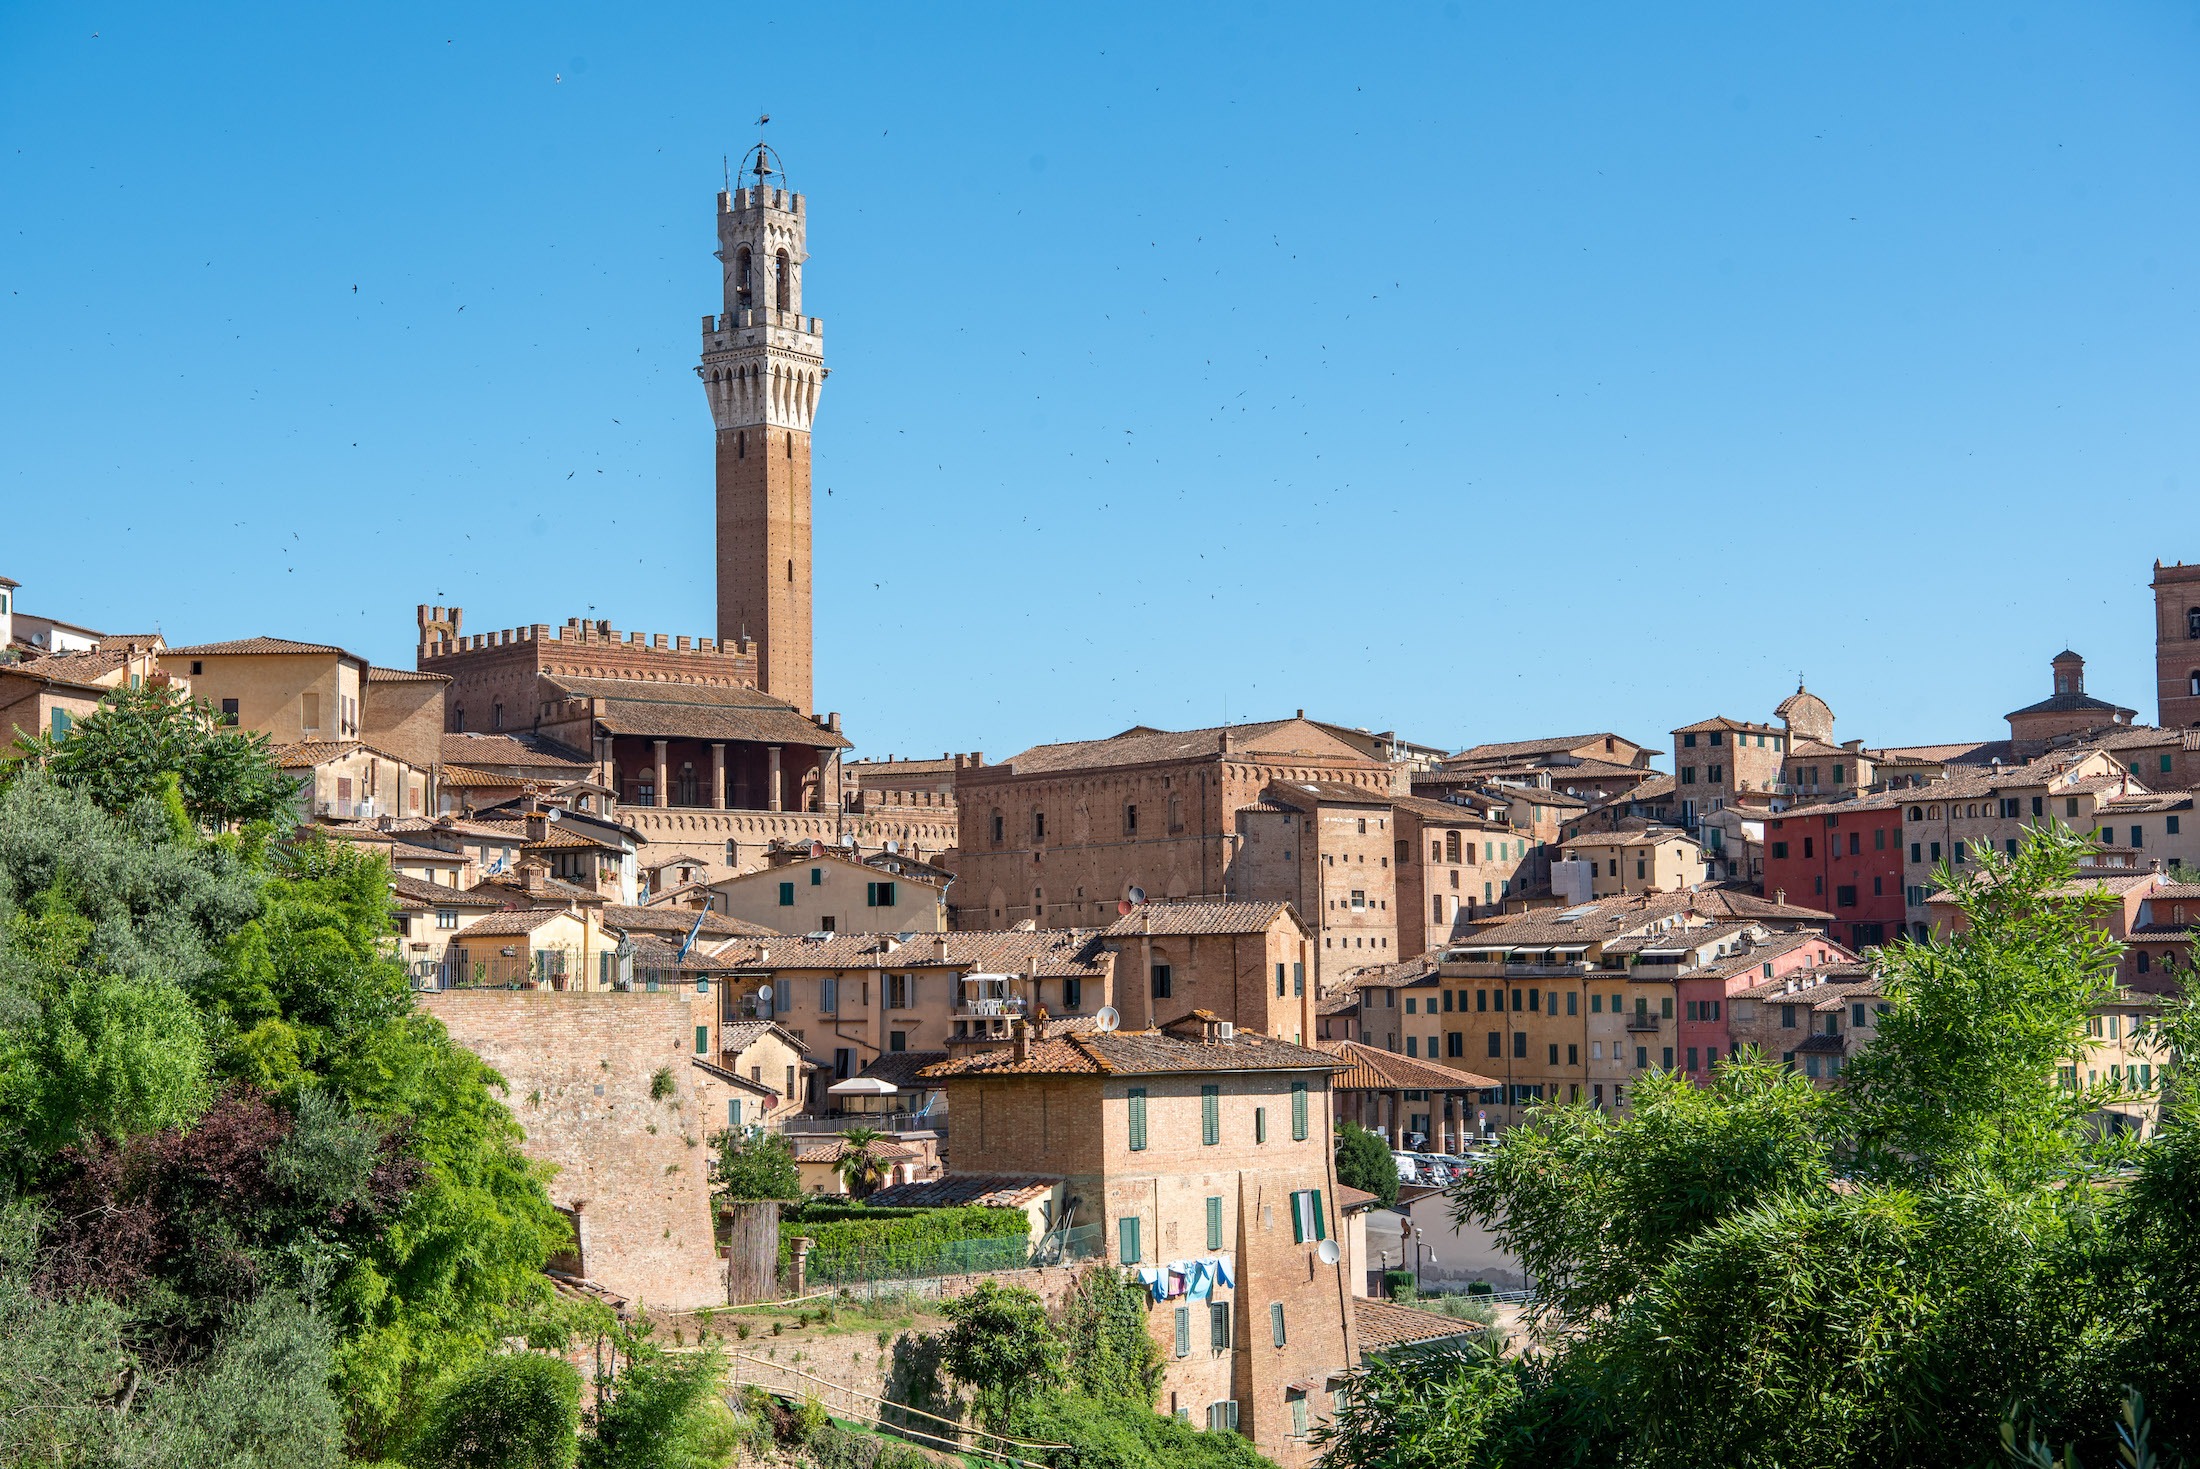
<point>505,1412</point>
<point>659,1414</point>
<point>832,1447</point>
<point>1111,1354</point>
<point>870,1244</point>
<point>1121,1434</point>
<point>1398,1283</point>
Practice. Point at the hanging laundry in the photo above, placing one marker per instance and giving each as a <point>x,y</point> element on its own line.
<point>1155,1282</point>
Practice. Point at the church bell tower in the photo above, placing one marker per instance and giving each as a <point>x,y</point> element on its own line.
<point>763,363</point>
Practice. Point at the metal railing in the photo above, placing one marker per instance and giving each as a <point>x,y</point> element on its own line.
<point>1643,1020</point>
<point>805,1124</point>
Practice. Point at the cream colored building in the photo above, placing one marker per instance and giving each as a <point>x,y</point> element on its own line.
<point>1653,859</point>
<point>830,893</point>
<point>346,780</point>
<point>289,691</point>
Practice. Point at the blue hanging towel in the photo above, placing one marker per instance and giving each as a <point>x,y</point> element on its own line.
<point>1154,1282</point>
<point>1222,1273</point>
<point>1202,1279</point>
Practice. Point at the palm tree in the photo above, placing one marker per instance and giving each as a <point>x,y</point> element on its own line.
<point>860,1168</point>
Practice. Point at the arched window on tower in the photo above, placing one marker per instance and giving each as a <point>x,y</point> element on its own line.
<point>741,275</point>
<point>784,289</point>
<point>458,719</point>
<point>496,715</point>
<point>2192,623</point>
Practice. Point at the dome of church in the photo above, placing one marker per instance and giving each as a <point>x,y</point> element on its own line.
<point>1806,716</point>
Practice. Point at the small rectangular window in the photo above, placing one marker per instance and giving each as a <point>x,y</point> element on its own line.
<point>1298,1111</point>
<point>1161,981</point>
<point>1275,1321</point>
<point>1218,1326</point>
<point>1138,1119</point>
<point>1210,1115</point>
<point>1184,1331</point>
<point>1260,1124</point>
<point>702,1040</point>
<point>786,895</point>
<point>1214,1221</point>
<point>1126,1240</point>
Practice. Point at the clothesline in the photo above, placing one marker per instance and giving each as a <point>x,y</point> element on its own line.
<point>1197,1278</point>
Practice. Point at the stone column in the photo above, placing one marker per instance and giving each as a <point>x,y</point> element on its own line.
<point>772,780</point>
<point>664,793</point>
<point>718,776</point>
<point>1397,1120</point>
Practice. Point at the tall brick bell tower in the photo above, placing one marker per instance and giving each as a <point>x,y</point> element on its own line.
<point>763,364</point>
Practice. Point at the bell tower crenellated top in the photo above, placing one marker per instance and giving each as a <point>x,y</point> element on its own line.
<point>763,359</point>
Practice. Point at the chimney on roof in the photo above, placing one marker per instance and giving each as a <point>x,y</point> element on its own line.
<point>1780,896</point>
<point>1022,1026</point>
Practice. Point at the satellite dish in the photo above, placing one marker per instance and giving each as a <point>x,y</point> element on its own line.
<point>892,846</point>
<point>1137,895</point>
<point>817,849</point>
<point>1123,906</point>
<point>1106,1020</point>
<point>1327,1252</point>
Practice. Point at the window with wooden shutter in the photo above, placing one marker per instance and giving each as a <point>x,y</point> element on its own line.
<point>1210,1115</point>
<point>1138,1118</point>
<point>1126,1240</point>
<point>1214,1222</point>
<point>1275,1321</point>
<point>1184,1331</point>
<point>1298,1111</point>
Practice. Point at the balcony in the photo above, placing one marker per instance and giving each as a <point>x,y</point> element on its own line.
<point>1643,1020</point>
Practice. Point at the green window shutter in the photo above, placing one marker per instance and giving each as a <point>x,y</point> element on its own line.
<point>1298,1218</point>
<point>1214,1222</point>
<point>786,895</point>
<point>1298,1415</point>
<point>1275,1321</point>
<point>1218,1325</point>
<point>1210,1115</point>
<point>702,1040</point>
<point>1138,1119</point>
<point>1260,1124</point>
<point>1126,1239</point>
<point>1321,1218</point>
<point>1184,1331</point>
<point>1298,1111</point>
<point>870,895</point>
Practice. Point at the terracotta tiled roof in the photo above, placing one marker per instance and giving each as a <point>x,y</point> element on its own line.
<point>459,777</point>
<point>990,1190</point>
<point>1199,917</point>
<point>1721,722</point>
<point>378,674</point>
<point>1448,813</point>
<point>1515,749</point>
<point>440,895</point>
<point>509,921</point>
<point>555,890</point>
<point>1647,836</point>
<point>1049,952</point>
<point>1142,745</point>
<point>698,711</point>
<point>2159,801</point>
<point>1385,1326</point>
<point>1596,921</point>
<point>1830,982</point>
<point>901,1068</point>
<point>513,749</point>
<point>833,1149</point>
<point>1300,793</point>
<point>2074,704</point>
<point>1137,1053</point>
<point>1372,1069</point>
<point>631,918</point>
<point>878,771</point>
<point>1726,903</point>
<point>306,754</point>
<point>1351,1200</point>
<point>1757,955</point>
<point>257,645</point>
<point>1925,754</point>
<point>1649,791</point>
<point>1390,976</point>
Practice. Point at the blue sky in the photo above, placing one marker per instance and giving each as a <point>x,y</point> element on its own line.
<point>1476,372</point>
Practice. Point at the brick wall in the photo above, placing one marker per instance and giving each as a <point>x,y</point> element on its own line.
<point>633,1170</point>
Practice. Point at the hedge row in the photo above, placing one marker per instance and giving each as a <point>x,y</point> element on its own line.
<point>885,1244</point>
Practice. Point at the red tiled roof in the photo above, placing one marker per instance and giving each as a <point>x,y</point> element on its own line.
<point>1385,1325</point>
<point>1136,1053</point>
<point>1199,917</point>
<point>239,646</point>
<point>1372,1069</point>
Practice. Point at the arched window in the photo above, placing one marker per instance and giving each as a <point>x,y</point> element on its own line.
<point>1934,813</point>
<point>2192,622</point>
<point>1917,813</point>
<point>741,275</point>
<point>458,718</point>
<point>496,715</point>
<point>784,288</point>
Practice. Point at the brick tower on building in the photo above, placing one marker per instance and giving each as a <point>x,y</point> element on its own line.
<point>763,364</point>
<point>2177,644</point>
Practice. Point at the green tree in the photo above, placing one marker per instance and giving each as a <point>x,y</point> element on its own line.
<point>1756,1272</point>
<point>753,1164</point>
<point>860,1166</point>
<point>143,741</point>
<point>660,1412</point>
<point>1110,1352</point>
<point>1001,1346</point>
<point>511,1411</point>
<point>1364,1162</point>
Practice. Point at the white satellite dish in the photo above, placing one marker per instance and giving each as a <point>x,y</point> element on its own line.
<point>1106,1020</point>
<point>1327,1252</point>
<point>892,846</point>
<point>1138,895</point>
